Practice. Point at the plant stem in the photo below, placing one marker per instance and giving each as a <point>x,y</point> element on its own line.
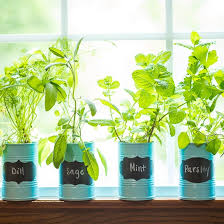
<point>111,115</point>
<point>171,111</point>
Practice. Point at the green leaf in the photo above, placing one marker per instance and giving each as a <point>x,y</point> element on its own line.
<point>49,159</point>
<point>43,150</point>
<point>191,123</point>
<point>162,57</point>
<point>36,84</point>
<point>41,53</point>
<point>142,80</point>
<point>57,52</point>
<point>59,150</point>
<point>92,107</point>
<point>110,105</point>
<point>52,138</point>
<point>101,122</point>
<point>213,146</point>
<point>165,87</point>
<point>172,130</point>
<point>77,47</point>
<point>212,58</point>
<point>61,94</point>
<point>195,38</point>
<point>63,121</point>
<point>59,82</point>
<point>115,85</point>
<point>146,99</point>
<point>183,140</point>
<point>141,60</point>
<point>91,164</point>
<point>176,116</point>
<point>199,138</point>
<point>54,64</point>
<point>50,96</point>
<point>103,161</point>
<point>200,52</point>
<point>131,93</point>
<point>184,45</point>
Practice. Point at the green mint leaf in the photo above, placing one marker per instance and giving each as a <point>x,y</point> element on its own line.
<point>162,57</point>
<point>110,105</point>
<point>143,80</point>
<point>176,116</point>
<point>146,99</point>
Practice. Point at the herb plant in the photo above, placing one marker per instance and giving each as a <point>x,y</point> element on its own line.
<point>152,108</point>
<point>201,89</point>
<point>18,99</point>
<point>74,110</point>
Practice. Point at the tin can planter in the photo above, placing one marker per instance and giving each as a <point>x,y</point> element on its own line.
<point>197,181</point>
<point>136,178</point>
<point>75,184</point>
<point>20,172</point>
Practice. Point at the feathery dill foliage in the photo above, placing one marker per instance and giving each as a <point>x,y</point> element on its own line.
<point>18,100</point>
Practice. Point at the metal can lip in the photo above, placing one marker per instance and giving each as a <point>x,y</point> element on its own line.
<point>138,143</point>
<point>21,144</point>
<point>91,142</point>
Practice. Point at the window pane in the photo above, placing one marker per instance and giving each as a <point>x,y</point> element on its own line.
<point>24,16</point>
<point>200,15</point>
<point>106,16</point>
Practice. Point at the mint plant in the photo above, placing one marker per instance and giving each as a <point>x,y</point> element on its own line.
<point>152,109</point>
<point>201,89</point>
<point>74,110</point>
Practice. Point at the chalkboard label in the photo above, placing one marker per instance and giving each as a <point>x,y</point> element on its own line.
<point>75,173</point>
<point>136,168</point>
<point>19,171</point>
<point>197,170</point>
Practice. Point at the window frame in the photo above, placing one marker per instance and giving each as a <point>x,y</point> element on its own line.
<point>168,36</point>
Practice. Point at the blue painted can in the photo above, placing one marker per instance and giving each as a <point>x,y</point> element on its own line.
<point>75,184</point>
<point>197,181</point>
<point>20,172</point>
<point>136,176</point>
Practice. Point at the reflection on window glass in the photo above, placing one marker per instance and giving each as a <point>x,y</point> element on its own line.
<point>106,16</point>
<point>24,16</point>
<point>200,15</point>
